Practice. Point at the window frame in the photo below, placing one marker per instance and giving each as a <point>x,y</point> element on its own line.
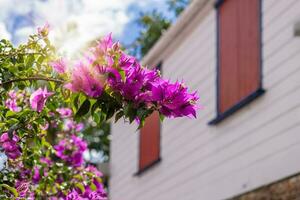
<point>252,96</point>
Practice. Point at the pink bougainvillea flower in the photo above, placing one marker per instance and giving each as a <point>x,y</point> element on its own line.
<point>39,98</point>
<point>11,104</point>
<point>64,112</point>
<point>174,100</point>
<point>60,65</point>
<point>99,194</point>
<point>126,61</point>
<point>70,125</point>
<point>12,94</point>
<point>43,31</point>
<point>36,175</point>
<point>104,44</point>
<point>10,145</point>
<point>71,150</point>
<point>94,170</point>
<point>23,188</point>
<point>45,126</point>
<point>47,161</point>
<point>85,79</point>
<point>79,127</point>
<point>14,154</point>
<point>138,84</point>
<point>73,195</point>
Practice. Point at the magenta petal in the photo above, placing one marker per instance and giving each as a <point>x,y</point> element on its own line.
<point>60,65</point>
<point>39,98</point>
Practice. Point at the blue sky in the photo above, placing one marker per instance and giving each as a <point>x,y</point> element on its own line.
<point>74,22</point>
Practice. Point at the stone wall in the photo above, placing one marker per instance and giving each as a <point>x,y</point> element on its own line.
<point>287,189</point>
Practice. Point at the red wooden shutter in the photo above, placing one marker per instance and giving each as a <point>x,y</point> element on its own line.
<point>239,51</point>
<point>150,141</point>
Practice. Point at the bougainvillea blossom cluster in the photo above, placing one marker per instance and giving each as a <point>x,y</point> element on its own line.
<point>71,150</point>
<point>11,102</point>
<point>107,66</point>
<point>10,145</point>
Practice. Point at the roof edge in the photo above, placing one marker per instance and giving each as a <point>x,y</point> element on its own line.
<point>174,30</point>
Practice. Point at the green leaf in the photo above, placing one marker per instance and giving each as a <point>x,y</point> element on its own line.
<point>78,176</point>
<point>102,117</point>
<point>99,179</point>
<point>110,112</point>
<point>80,186</point>
<point>45,143</point>
<point>93,187</point>
<point>96,105</point>
<point>11,189</point>
<point>2,124</point>
<point>128,109</point>
<point>141,125</point>
<point>161,117</point>
<point>123,75</point>
<point>41,59</point>
<point>130,112</point>
<point>52,85</point>
<point>75,101</point>
<point>12,121</point>
<point>30,60</point>
<point>7,86</point>
<point>81,98</point>
<point>10,113</point>
<point>11,131</point>
<point>13,69</point>
<point>26,112</point>
<point>84,109</point>
<point>118,116</point>
<point>96,117</point>
<point>143,113</point>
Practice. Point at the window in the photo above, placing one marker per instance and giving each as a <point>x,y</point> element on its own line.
<point>149,142</point>
<point>149,147</point>
<point>239,55</point>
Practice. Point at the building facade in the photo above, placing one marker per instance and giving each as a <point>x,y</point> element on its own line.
<point>243,58</point>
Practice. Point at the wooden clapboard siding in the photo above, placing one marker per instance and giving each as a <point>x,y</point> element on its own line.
<point>239,51</point>
<point>256,146</point>
<point>149,142</point>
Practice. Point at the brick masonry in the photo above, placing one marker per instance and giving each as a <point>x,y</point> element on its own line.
<point>287,189</point>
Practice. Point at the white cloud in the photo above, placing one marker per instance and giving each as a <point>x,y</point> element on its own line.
<point>91,20</point>
<point>3,32</point>
<point>22,33</point>
<point>8,5</point>
<point>74,22</point>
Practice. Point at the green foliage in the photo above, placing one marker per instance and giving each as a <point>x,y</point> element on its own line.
<point>23,69</point>
<point>177,6</point>
<point>152,25</point>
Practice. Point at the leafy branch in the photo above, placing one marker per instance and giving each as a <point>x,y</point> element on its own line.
<point>31,79</point>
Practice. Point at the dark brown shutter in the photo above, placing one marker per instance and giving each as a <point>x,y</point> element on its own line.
<point>239,51</point>
<point>150,141</point>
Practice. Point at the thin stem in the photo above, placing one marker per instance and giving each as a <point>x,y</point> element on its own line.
<point>18,53</point>
<point>31,79</point>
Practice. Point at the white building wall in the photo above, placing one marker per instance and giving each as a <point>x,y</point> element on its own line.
<point>257,145</point>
